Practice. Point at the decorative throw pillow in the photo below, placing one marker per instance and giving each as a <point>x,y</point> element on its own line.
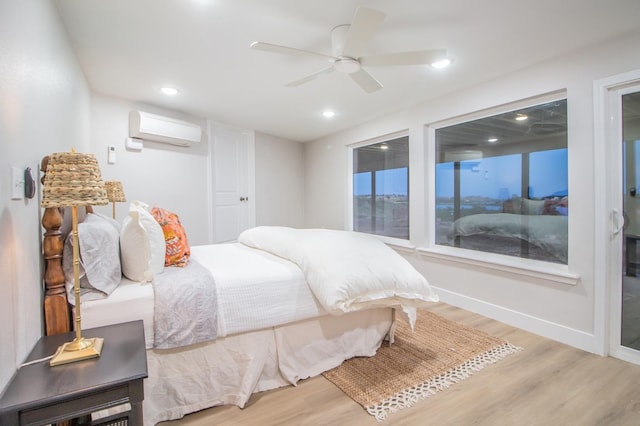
<point>177,245</point>
<point>512,205</point>
<point>99,263</point>
<point>532,207</point>
<point>142,246</point>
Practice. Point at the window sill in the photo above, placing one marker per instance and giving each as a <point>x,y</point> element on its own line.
<point>396,242</point>
<point>532,268</point>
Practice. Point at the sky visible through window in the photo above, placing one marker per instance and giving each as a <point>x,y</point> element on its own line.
<point>500,177</point>
<point>388,182</point>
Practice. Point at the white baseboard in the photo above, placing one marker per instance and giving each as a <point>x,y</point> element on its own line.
<point>550,330</point>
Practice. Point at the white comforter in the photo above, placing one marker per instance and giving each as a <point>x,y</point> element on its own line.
<point>347,271</point>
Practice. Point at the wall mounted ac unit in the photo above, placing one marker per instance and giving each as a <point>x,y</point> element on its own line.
<point>156,128</point>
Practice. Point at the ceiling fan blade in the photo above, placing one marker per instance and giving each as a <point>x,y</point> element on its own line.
<point>285,50</point>
<point>310,77</point>
<point>366,81</point>
<point>421,57</point>
<point>364,25</point>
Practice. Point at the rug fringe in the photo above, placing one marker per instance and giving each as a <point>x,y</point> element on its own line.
<point>410,396</point>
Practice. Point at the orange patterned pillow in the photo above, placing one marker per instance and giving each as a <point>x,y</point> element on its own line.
<point>178,250</point>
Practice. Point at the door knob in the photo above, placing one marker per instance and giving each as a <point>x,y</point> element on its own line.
<point>244,198</point>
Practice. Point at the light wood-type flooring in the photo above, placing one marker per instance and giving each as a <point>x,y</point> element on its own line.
<point>547,383</point>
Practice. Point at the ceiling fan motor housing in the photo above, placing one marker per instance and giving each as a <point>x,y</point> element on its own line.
<point>343,64</point>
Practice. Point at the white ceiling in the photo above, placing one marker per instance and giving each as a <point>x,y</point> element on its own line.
<point>131,48</point>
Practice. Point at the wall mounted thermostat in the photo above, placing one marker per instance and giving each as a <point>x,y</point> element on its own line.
<point>111,159</point>
<point>17,183</point>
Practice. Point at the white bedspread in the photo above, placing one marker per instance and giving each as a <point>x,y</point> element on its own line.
<point>256,289</point>
<point>347,271</point>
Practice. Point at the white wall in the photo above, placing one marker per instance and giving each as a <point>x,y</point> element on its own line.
<point>560,311</point>
<point>178,179</point>
<point>279,181</point>
<point>44,108</point>
<point>173,177</point>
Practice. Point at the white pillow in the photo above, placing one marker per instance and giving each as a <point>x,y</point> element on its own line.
<point>142,245</point>
<point>99,266</point>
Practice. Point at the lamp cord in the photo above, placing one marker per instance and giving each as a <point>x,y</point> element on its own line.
<point>36,361</point>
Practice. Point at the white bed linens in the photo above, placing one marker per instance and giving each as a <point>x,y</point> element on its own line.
<point>185,306</point>
<point>296,339</point>
<point>130,301</point>
<point>347,271</point>
<point>228,370</point>
<point>255,290</point>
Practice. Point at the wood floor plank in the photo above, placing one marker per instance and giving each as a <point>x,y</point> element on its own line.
<point>547,383</point>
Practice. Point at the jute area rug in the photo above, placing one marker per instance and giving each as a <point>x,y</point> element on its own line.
<point>438,354</point>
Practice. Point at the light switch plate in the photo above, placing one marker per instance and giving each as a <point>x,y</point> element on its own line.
<point>17,183</point>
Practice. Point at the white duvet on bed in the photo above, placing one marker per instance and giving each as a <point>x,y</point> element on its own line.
<point>255,289</point>
<point>347,271</point>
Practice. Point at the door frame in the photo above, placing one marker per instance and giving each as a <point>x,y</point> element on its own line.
<point>607,200</point>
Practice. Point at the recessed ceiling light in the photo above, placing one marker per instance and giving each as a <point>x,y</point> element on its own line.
<point>328,113</point>
<point>169,91</point>
<point>441,63</point>
<point>492,140</point>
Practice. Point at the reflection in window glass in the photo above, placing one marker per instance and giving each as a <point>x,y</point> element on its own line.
<point>502,184</point>
<point>381,188</point>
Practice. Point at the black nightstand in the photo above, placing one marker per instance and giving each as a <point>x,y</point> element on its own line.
<point>39,394</point>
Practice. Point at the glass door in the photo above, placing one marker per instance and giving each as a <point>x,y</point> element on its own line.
<point>629,296</point>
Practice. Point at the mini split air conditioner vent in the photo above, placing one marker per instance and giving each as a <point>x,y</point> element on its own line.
<point>156,128</point>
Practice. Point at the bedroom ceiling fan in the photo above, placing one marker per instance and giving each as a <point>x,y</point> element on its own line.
<point>348,41</point>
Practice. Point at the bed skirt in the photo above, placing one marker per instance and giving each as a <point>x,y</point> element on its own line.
<point>230,369</point>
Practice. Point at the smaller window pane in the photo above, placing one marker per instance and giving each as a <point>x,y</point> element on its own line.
<point>362,202</point>
<point>381,188</point>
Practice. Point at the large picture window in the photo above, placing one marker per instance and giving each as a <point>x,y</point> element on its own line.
<point>502,183</point>
<point>381,188</point>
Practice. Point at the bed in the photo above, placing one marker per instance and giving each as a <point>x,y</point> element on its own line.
<point>534,229</point>
<point>273,319</point>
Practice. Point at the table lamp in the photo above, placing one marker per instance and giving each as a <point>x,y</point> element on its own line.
<point>71,180</point>
<point>115,193</point>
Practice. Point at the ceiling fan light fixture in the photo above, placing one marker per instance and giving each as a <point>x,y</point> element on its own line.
<point>347,65</point>
<point>441,63</point>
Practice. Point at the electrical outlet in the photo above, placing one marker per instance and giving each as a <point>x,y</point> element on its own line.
<point>17,183</point>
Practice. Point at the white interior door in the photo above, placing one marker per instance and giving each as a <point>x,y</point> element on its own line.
<point>233,167</point>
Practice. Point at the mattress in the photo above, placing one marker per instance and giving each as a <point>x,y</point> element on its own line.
<point>256,290</point>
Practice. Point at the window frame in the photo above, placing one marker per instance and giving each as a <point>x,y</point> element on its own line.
<point>551,271</point>
<point>399,242</point>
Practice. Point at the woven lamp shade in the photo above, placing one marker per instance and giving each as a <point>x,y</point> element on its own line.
<point>115,192</point>
<point>73,179</point>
